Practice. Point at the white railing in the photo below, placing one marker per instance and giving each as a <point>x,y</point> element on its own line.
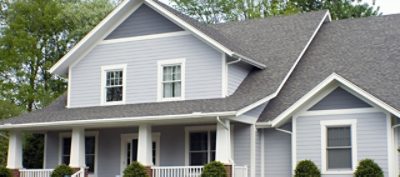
<point>35,172</point>
<point>80,173</point>
<point>184,171</point>
<point>240,171</point>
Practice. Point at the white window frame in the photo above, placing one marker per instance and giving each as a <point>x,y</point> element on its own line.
<point>104,70</point>
<point>160,87</point>
<point>338,123</point>
<point>194,129</point>
<point>96,146</point>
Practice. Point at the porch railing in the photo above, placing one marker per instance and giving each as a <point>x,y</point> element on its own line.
<point>183,171</point>
<point>35,172</point>
<point>240,171</point>
<point>80,173</point>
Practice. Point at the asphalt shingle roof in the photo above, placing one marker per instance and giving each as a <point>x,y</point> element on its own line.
<point>364,51</point>
<point>275,41</point>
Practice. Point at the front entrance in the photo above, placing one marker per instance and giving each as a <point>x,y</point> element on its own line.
<point>129,148</point>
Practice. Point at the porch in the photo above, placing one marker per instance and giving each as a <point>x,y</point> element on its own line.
<point>168,150</point>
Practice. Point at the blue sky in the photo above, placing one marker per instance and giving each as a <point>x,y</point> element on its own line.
<point>386,6</point>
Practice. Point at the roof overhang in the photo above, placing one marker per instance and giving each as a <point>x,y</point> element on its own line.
<point>328,84</point>
<point>116,17</point>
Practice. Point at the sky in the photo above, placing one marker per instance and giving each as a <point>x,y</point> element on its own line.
<point>386,6</point>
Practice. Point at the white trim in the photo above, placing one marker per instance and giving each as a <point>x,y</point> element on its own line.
<point>324,84</point>
<point>396,152</point>
<point>45,151</point>
<point>262,153</point>
<point>160,65</point>
<point>144,37</point>
<point>390,146</point>
<point>69,87</point>
<point>339,111</point>
<point>63,135</point>
<point>130,136</point>
<point>190,129</point>
<point>224,83</point>
<point>333,123</point>
<point>273,95</point>
<point>104,70</point>
<point>120,120</point>
<point>253,148</point>
<point>294,144</point>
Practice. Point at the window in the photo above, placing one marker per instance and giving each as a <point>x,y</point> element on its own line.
<point>171,80</point>
<point>202,147</point>
<point>339,146</point>
<point>113,84</point>
<point>90,151</point>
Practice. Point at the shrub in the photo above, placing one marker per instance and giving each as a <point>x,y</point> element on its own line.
<point>135,169</point>
<point>62,171</point>
<point>307,168</point>
<point>369,168</point>
<point>4,172</point>
<point>214,169</point>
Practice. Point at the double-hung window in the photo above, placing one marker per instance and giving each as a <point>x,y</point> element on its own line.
<point>339,147</point>
<point>171,80</point>
<point>202,146</point>
<point>114,78</point>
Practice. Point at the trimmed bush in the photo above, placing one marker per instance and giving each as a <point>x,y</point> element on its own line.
<point>62,171</point>
<point>369,168</point>
<point>4,172</point>
<point>135,169</point>
<point>214,169</point>
<point>307,168</point>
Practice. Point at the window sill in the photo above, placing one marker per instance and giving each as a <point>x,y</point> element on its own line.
<point>170,99</point>
<point>338,172</point>
<point>113,103</point>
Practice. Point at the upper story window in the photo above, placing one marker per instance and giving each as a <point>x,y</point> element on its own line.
<point>113,84</point>
<point>339,146</point>
<point>171,76</point>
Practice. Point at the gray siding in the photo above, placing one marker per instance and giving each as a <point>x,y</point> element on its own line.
<point>241,143</point>
<point>52,148</point>
<point>371,138</point>
<point>340,99</point>
<point>144,21</point>
<point>236,74</point>
<point>277,153</point>
<point>203,69</point>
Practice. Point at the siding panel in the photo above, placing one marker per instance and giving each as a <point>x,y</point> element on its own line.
<point>277,153</point>
<point>236,74</point>
<point>144,21</point>
<point>339,99</point>
<point>203,69</point>
<point>371,138</point>
<point>241,147</point>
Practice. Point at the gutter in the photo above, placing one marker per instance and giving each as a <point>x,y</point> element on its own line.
<point>249,61</point>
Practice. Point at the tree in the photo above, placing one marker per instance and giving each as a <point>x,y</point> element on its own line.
<point>216,11</point>
<point>34,35</point>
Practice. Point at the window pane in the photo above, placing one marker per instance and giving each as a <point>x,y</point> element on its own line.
<point>65,159</point>
<point>90,163</point>
<point>212,156</point>
<point>134,150</point>
<point>198,158</point>
<point>339,136</point>
<point>114,78</point>
<point>199,141</point>
<point>339,158</point>
<point>154,146</point>
<point>213,140</point>
<point>172,90</point>
<point>114,94</point>
<point>172,73</point>
<point>168,90</point>
<point>90,145</point>
<point>176,87</point>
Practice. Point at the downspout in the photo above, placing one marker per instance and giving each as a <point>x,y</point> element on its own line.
<point>284,131</point>
<point>235,61</point>
<point>222,123</point>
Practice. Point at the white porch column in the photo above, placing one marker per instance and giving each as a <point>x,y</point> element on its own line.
<point>14,158</point>
<point>145,142</point>
<point>223,149</point>
<point>77,159</point>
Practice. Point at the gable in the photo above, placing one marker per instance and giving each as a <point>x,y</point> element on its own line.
<point>144,21</point>
<point>339,99</point>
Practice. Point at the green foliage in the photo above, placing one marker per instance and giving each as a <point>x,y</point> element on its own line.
<point>216,11</point>
<point>368,167</point>
<point>307,168</point>
<point>61,171</point>
<point>4,172</point>
<point>33,151</point>
<point>135,169</point>
<point>7,110</point>
<point>214,169</point>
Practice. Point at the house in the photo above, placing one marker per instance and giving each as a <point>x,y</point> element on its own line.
<point>149,84</point>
